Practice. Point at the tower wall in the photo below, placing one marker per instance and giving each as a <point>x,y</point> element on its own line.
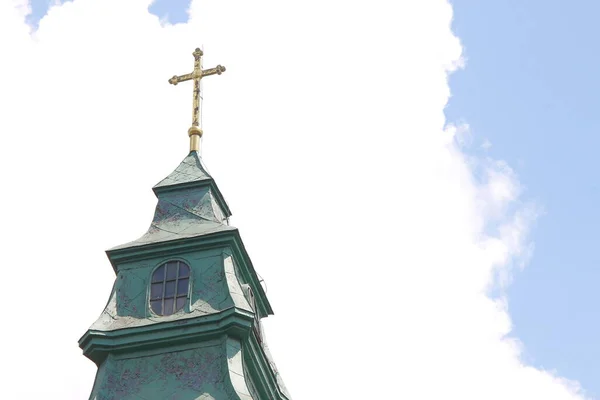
<point>210,370</point>
<point>214,286</point>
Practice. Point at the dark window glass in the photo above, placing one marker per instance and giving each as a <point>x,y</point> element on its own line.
<point>156,306</point>
<point>172,271</point>
<point>159,274</point>
<point>182,286</point>
<point>181,302</point>
<point>156,290</point>
<point>169,287</point>
<point>168,308</point>
<point>184,271</point>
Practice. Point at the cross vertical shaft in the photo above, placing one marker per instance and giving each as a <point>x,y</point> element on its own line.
<point>197,76</point>
<point>195,131</point>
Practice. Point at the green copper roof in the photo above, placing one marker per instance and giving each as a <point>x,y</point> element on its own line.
<point>189,205</point>
<point>190,170</point>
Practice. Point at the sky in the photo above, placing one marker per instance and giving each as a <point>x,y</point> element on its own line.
<point>414,181</point>
<point>531,89</point>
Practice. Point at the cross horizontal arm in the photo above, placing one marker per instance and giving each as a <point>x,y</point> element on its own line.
<point>182,78</point>
<point>219,69</point>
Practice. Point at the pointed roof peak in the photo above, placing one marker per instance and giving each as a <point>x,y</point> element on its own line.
<point>189,171</point>
<point>189,205</point>
<point>191,174</point>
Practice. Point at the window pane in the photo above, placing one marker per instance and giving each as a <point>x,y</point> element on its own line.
<point>159,274</point>
<point>180,303</point>
<point>156,290</point>
<point>182,286</point>
<point>172,270</point>
<point>184,270</point>
<point>170,289</point>
<point>156,306</point>
<point>168,306</point>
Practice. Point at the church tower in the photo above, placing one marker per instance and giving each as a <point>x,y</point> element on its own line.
<point>183,318</point>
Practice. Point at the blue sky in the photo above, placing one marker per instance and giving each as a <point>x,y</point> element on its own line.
<point>530,88</point>
<point>174,11</point>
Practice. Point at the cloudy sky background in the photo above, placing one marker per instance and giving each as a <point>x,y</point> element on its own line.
<point>387,218</point>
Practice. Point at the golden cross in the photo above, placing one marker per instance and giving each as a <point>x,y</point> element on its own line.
<point>195,132</point>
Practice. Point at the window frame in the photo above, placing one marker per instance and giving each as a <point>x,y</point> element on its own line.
<point>164,282</point>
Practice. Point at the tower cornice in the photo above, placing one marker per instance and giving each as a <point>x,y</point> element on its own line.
<point>234,322</point>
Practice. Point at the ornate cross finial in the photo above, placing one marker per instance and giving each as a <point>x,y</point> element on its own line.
<point>195,132</point>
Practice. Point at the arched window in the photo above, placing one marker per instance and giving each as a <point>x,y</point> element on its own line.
<point>169,287</point>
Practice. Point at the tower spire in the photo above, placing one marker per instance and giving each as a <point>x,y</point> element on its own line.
<point>183,319</point>
<point>195,131</point>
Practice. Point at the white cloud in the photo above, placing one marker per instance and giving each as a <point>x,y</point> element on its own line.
<point>486,145</point>
<point>326,135</point>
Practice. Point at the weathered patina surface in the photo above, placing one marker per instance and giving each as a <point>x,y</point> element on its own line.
<point>189,205</point>
<point>209,371</point>
<point>214,287</point>
<point>209,349</point>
